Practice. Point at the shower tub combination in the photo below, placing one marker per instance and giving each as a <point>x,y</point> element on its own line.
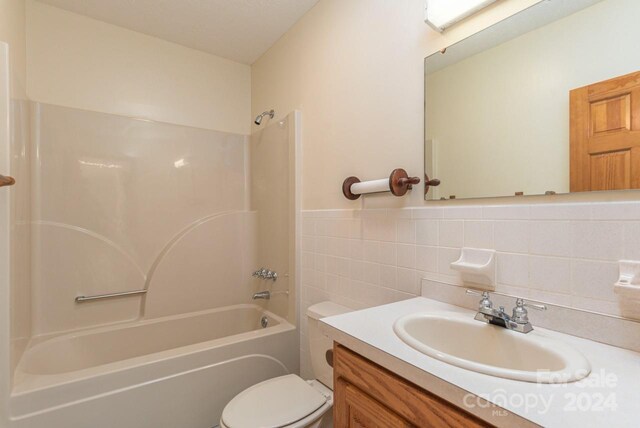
<point>176,371</point>
<point>118,204</point>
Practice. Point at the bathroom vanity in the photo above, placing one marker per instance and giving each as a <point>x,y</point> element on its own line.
<point>381,381</point>
<point>399,403</point>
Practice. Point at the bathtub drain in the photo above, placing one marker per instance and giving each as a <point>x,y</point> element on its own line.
<point>264,322</point>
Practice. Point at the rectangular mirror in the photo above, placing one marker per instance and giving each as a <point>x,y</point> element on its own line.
<point>546,101</point>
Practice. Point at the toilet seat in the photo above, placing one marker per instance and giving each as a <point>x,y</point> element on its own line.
<point>285,401</point>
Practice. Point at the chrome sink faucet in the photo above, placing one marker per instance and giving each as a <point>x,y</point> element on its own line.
<point>519,319</point>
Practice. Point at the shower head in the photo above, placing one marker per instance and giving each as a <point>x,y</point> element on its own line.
<point>269,113</point>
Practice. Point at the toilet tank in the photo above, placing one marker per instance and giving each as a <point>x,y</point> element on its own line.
<point>320,344</point>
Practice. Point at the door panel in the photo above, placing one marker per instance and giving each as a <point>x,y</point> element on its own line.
<point>605,135</point>
<point>611,171</point>
<point>610,115</point>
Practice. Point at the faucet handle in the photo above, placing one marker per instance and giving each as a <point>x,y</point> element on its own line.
<point>520,314</point>
<point>521,302</point>
<point>485,302</point>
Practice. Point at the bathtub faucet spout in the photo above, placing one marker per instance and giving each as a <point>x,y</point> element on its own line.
<point>266,295</point>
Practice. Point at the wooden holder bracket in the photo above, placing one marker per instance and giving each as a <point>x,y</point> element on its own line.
<point>434,182</point>
<point>400,182</point>
<point>346,188</point>
<point>6,181</point>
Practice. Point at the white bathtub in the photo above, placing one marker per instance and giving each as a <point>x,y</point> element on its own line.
<point>174,372</point>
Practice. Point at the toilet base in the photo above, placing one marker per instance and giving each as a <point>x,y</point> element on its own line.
<point>324,421</point>
<point>321,418</point>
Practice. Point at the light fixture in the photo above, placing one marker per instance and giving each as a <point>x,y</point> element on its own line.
<point>441,14</point>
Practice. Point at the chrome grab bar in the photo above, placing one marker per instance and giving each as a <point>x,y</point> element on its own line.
<point>81,299</point>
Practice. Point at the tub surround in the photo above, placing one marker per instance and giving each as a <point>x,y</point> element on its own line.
<point>120,204</point>
<point>20,237</point>
<point>125,204</point>
<point>272,159</point>
<point>370,333</point>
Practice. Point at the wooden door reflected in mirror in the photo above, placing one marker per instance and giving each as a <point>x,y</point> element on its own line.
<point>605,135</point>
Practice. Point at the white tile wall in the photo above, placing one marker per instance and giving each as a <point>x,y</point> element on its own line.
<point>559,253</point>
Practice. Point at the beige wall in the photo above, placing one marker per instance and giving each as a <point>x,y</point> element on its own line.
<point>74,61</point>
<point>12,31</point>
<point>355,70</point>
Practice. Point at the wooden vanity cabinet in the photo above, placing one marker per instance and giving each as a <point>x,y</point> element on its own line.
<point>369,396</point>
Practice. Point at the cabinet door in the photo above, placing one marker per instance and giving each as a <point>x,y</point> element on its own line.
<point>369,396</point>
<point>358,410</point>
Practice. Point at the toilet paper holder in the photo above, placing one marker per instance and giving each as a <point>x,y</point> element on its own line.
<point>398,183</point>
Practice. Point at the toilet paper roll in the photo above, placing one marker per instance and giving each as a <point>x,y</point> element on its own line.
<point>372,186</point>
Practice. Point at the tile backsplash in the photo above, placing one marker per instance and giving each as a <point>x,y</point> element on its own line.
<point>564,254</point>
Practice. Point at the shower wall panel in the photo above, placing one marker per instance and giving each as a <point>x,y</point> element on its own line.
<point>122,204</point>
<point>273,189</point>
<point>20,239</point>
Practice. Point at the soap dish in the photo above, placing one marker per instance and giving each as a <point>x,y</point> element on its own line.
<point>477,265</point>
<point>628,285</point>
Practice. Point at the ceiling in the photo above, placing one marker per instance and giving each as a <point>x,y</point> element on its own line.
<point>240,30</point>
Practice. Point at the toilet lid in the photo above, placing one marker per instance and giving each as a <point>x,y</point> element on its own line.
<point>273,403</point>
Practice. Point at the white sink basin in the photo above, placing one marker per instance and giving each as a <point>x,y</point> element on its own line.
<point>484,348</point>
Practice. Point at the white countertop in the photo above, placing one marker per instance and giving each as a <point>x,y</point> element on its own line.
<point>608,397</point>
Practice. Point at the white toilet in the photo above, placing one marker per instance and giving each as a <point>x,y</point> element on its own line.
<point>289,401</point>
